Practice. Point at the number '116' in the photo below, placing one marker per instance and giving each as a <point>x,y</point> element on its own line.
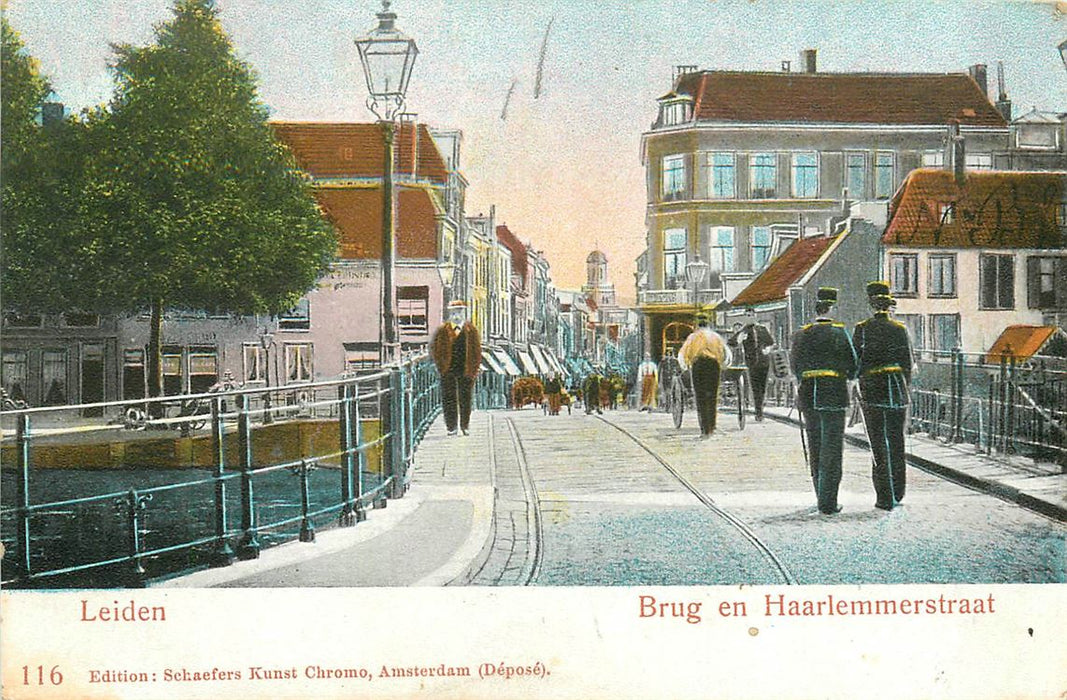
<point>54,676</point>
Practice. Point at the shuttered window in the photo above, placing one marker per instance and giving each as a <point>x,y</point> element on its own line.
<point>1046,282</point>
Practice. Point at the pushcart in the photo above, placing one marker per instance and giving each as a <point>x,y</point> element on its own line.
<point>733,393</point>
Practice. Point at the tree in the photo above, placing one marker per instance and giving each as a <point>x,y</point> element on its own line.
<point>33,183</point>
<point>188,201</point>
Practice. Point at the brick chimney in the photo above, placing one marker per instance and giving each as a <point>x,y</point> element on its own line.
<point>1003,103</point>
<point>978,72</point>
<point>807,60</point>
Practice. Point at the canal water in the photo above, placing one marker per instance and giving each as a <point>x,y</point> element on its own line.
<point>80,534</point>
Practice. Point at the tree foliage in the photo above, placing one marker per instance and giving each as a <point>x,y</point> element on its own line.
<point>189,201</point>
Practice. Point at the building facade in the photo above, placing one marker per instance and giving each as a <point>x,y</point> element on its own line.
<point>739,165</point>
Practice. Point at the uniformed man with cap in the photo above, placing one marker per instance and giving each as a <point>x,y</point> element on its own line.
<point>823,360</point>
<point>457,352</point>
<point>705,353</point>
<point>884,351</point>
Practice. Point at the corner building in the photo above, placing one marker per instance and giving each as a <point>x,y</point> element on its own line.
<point>741,164</point>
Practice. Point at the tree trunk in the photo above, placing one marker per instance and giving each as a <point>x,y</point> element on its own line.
<point>155,352</point>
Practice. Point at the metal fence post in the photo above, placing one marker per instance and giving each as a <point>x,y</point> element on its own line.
<point>359,458</point>
<point>385,430</point>
<point>957,395</point>
<point>991,417</point>
<point>1001,409</point>
<point>307,528</point>
<point>135,503</point>
<point>1010,444</point>
<point>249,546</point>
<point>398,430</point>
<point>223,553</point>
<point>348,516</point>
<point>22,438</point>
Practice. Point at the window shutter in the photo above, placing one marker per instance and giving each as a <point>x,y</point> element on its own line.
<point>1033,282</point>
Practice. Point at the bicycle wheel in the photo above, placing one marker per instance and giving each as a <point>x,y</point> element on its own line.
<point>677,402</point>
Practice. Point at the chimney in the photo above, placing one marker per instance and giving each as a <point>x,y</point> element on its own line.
<point>1003,103</point>
<point>807,60</point>
<point>978,72</point>
<point>957,158</point>
<point>679,71</point>
<point>409,124</point>
<point>51,113</point>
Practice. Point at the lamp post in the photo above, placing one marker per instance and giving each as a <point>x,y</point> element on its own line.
<point>387,57</point>
<point>695,273</point>
<point>266,340</point>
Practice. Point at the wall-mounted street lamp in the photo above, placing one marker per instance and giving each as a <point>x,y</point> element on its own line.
<point>387,57</point>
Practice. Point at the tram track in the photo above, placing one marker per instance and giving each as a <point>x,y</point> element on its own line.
<point>710,504</point>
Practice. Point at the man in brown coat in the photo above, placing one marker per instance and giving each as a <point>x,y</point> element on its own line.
<point>457,352</point>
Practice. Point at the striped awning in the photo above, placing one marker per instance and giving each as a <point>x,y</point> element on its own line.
<point>491,364</point>
<point>528,365</point>
<point>543,365</point>
<point>505,361</point>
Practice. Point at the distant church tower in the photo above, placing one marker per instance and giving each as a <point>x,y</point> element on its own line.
<point>597,287</point>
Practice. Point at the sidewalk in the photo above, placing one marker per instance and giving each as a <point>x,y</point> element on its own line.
<point>430,537</point>
<point>1039,487</point>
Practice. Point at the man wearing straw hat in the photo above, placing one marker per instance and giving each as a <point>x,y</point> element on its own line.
<point>885,371</point>
<point>823,360</point>
<point>457,352</point>
<point>705,353</point>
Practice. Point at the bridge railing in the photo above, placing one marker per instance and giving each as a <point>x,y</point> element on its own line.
<point>115,494</point>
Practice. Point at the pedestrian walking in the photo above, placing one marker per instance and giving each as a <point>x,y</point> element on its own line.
<point>885,365</point>
<point>648,376</point>
<point>591,392</point>
<point>705,353</point>
<point>457,352</point>
<point>554,394</point>
<point>756,342</point>
<point>823,360</point>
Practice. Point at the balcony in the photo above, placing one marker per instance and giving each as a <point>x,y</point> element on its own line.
<point>678,297</point>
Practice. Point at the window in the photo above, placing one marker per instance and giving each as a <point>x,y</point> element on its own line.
<point>944,333</point>
<point>674,246</point>
<point>933,159</point>
<point>1046,282</point>
<point>997,281</point>
<point>673,177</point>
<point>254,362</point>
<point>676,112</point>
<point>805,175</point>
<point>884,163</point>
<point>1037,136</point>
<point>946,212</point>
<point>942,276</point>
<point>978,161</point>
<point>361,357</point>
<point>1061,215</point>
<point>80,320</point>
<point>134,380</point>
<point>172,370</point>
<point>17,320</point>
<point>15,371</point>
<point>297,318</point>
<point>54,377</point>
<point>763,175</point>
<point>903,277</point>
<point>856,175</point>
<point>413,305</point>
<point>761,247</point>
<point>914,324</point>
<point>721,184</point>
<point>299,362</point>
<point>203,368</point>
<point>722,248</point>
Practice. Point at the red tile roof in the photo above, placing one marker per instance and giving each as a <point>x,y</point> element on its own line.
<point>838,98</point>
<point>993,209</point>
<point>517,248</point>
<point>1021,341</point>
<point>356,213</point>
<point>355,150</point>
<point>774,282</point>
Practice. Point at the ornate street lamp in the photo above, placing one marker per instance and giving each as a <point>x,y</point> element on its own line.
<point>695,274</point>
<point>387,57</point>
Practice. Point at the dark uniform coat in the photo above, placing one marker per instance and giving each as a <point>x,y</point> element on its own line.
<point>755,338</point>
<point>823,361</point>
<point>885,372</point>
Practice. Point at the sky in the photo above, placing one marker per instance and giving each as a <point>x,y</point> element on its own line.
<point>563,169</point>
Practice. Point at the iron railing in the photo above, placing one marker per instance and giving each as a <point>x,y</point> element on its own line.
<point>114,494</point>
